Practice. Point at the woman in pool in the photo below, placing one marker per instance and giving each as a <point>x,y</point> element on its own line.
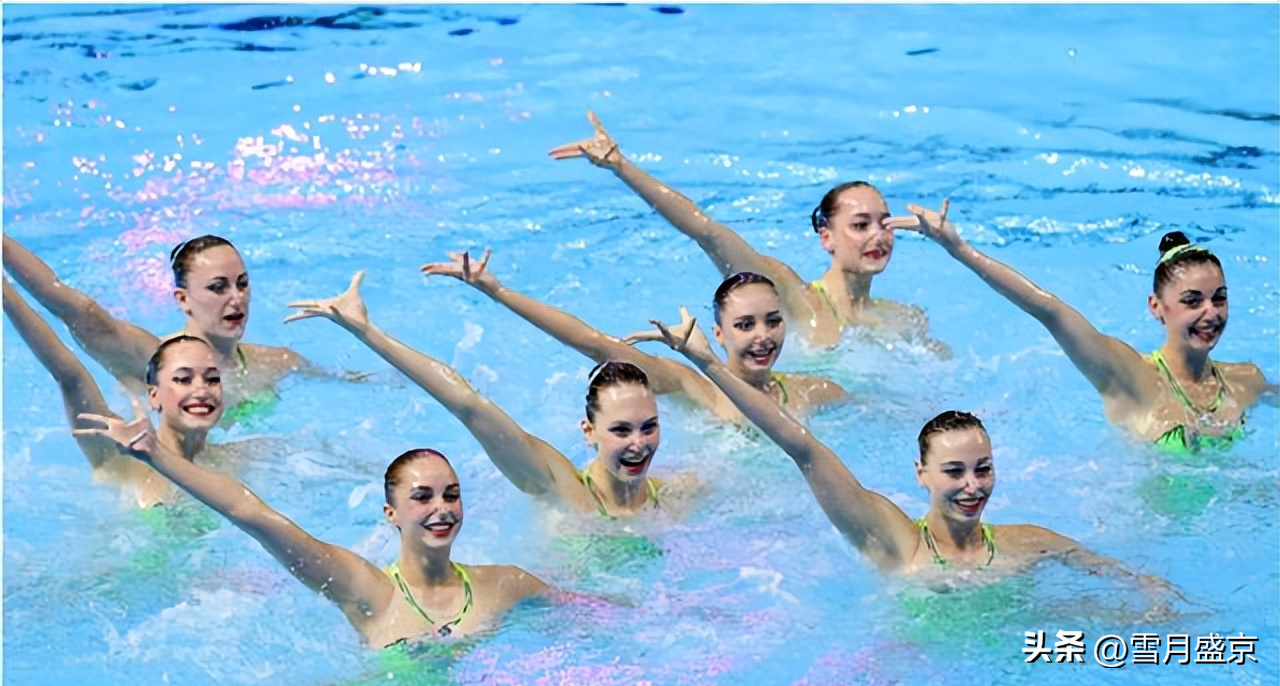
<point>183,385</point>
<point>955,467</point>
<point>212,289</point>
<point>424,594</point>
<point>753,340</point>
<point>850,222</point>
<point>621,422</point>
<point>1176,397</point>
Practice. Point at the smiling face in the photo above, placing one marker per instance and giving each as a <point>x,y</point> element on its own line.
<point>855,234</point>
<point>624,430</point>
<point>188,387</point>
<point>216,297</point>
<point>751,328</point>
<point>1192,306</point>
<point>426,502</point>
<point>958,472</point>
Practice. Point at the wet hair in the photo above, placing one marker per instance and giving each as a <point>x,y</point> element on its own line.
<point>822,213</point>
<point>951,420</point>
<point>157,358</point>
<point>733,283</point>
<point>1177,251</point>
<point>180,257</point>
<point>611,373</point>
<point>392,478</point>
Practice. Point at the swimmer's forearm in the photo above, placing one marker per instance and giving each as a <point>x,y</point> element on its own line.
<point>1015,287</point>
<point>762,411</point>
<point>220,492</point>
<point>726,249</point>
<point>44,343</point>
<point>433,376</point>
<point>559,324</point>
<point>119,346</point>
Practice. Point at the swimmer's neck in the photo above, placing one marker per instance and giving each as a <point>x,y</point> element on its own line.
<point>223,348</point>
<point>1184,363</point>
<point>624,495</point>
<point>188,444</point>
<point>953,536</point>
<point>430,567</point>
<point>762,379</point>
<point>854,286</point>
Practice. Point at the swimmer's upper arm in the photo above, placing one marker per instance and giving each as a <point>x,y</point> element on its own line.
<point>1108,363</point>
<point>873,523</point>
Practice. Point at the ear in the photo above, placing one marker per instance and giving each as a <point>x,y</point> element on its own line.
<point>389,512</point>
<point>920,475</point>
<point>588,432</point>
<point>1154,306</point>
<point>153,398</point>
<point>824,237</point>
<point>719,334</point>
<point>180,296</point>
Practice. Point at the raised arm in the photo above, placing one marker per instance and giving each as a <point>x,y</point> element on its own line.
<point>80,393</point>
<point>728,251</point>
<point>529,462</point>
<point>357,586</point>
<point>665,376</point>
<point>1109,364</point>
<point>879,528</point>
<point>117,345</point>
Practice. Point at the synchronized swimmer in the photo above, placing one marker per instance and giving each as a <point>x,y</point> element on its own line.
<point>1177,397</point>
<point>851,225</point>
<point>184,386</point>
<point>621,423</point>
<point>212,290</point>
<point>753,340</point>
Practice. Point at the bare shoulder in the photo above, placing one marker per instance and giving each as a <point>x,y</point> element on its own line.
<point>514,583</point>
<point>1032,539</point>
<point>1246,375</point>
<point>817,389</point>
<point>273,357</point>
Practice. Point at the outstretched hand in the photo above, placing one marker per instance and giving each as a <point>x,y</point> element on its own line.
<point>462,268</point>
<point>346,310</point>
<point>686,338</point>
<point>927,222</point>
<point>136,437</point>
<point>601,149</point>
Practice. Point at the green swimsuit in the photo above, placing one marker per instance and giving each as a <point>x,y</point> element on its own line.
<point>445,629</point>
<point>651,485</point>
<point>1179,440</point>
<point>987,539</point>
<point>253,408</point>
<point>821,289</point>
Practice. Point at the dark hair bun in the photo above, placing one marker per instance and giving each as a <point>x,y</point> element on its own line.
<point>1172,240</point>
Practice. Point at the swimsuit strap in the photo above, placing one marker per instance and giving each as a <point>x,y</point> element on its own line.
<point>1182,396</point>
<point>821,288</point>
<point>988,539</point>
<point>650,484</point>
<point>777,378</point>
<point>447,628</point>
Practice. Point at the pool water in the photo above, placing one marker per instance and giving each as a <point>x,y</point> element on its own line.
<point>327,139</point>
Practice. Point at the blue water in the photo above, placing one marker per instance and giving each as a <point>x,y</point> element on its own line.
<point>1069,139</point>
